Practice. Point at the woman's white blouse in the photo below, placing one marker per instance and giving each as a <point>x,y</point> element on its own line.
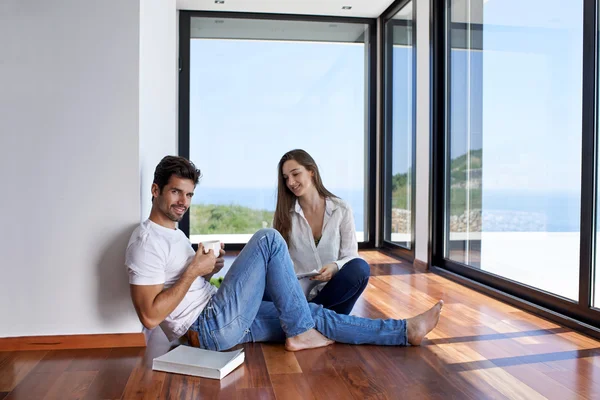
<point>337,245</point>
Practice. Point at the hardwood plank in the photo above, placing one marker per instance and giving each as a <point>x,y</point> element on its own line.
<point>348,363</point>
<point>292,387</point>
<point>34,386</point>
<point>486,374</point>
<point>61,342</point>
<point>329,384</point>
<point>183,387</point>
<point>229,384</point>
<point>316,364</point>
<point>579,384</point>
<point>15,366</point>
<point>44,375</point>
<point>363,308</point>
<point>541,382</point>
<point>255,373</point>
<point>60,360</point>
<point>192,387</point>
<point>112,378</point>
<point>390,269</point>
<point>280,361</point>
<point>376,361</point>
<point>71,385</point>
<point>315,360</point>
<point>446,381</point>
<point>89,360</point>
<point>143,383</point>
<point>256,394</point>
<point>377,257</point>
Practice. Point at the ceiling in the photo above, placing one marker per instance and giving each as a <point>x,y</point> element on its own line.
<point>360,8</point>
<point>249,29</point>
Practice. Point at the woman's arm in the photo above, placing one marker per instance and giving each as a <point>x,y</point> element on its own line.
<point>348,244</point>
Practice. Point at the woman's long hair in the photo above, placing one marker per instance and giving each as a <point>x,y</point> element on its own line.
<point>282,220</point>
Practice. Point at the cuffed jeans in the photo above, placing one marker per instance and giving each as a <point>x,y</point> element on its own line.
<point>237,314</point>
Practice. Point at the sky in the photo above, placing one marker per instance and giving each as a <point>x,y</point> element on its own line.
<point>524,107</point>
<point>252,101</point>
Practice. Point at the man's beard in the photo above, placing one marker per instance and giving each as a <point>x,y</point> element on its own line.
<point>173,216</point>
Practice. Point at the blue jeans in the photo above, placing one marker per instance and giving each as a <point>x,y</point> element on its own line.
<point>342,291</point>
<point>237,314</point>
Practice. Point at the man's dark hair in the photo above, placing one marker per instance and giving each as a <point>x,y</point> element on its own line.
<point>178,166</point>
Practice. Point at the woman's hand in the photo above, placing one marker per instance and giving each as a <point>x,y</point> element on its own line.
<point>326,273</point>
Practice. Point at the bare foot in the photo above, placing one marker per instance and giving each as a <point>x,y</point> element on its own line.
<point>310,339</point>
<point>419,326</point>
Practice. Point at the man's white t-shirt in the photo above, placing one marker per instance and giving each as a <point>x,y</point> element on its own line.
<point>158,255</point>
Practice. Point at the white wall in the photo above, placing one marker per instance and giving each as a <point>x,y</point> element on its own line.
<point>158,90</point>
<point>422,201</point>
<point>69,167</point>
<point>88,106</point>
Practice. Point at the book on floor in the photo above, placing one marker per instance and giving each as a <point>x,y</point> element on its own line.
<point>188,360</point>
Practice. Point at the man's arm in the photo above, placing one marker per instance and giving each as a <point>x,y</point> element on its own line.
<point>153,304</point>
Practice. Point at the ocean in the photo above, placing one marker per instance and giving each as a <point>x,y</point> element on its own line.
<point>266,198</point>
<point>557,211</point>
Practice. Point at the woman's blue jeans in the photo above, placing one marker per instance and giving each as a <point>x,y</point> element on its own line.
<point>237,314</point>
<point>343,290</point>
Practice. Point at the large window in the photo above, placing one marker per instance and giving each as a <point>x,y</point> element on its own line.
<point>261,87</point>
<point>399,83</point>
<point>513,148</point>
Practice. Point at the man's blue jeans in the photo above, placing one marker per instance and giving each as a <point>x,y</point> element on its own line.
<point>237,314</point>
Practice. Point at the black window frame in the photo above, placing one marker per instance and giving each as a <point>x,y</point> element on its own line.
<point>386,45</point>
<point>185,18</point>
<point>575,314</point>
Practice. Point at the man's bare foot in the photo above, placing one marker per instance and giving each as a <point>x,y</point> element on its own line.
<point>310,339</point>
<point>419,326</point>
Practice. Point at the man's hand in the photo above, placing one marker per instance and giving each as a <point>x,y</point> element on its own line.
<point>326,273</point>
<point>219,264</point>
<point>203,263</point>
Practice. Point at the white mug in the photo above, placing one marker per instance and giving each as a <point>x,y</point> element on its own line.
<point>214,245</point>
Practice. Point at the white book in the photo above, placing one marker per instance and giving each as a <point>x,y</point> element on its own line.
<point>188,360</point>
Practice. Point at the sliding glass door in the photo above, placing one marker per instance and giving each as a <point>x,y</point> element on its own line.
<point>515,139</point>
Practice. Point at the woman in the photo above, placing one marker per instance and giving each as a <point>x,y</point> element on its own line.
<point>319,230</point>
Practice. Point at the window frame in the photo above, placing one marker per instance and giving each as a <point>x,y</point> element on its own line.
<point>185,18</point>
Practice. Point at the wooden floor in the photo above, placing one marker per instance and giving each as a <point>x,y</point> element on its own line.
<point>481,349</point>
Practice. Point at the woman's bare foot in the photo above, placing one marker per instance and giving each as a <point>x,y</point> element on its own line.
<point>419,326</point>
<point>310,339</point>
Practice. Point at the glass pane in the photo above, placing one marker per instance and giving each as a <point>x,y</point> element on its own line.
<point>596,273</point>
<point>514,171</point>
<point>400,132</point>
<point>259,88</point>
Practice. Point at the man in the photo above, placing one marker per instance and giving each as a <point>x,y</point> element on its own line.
<point>169,285</point>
